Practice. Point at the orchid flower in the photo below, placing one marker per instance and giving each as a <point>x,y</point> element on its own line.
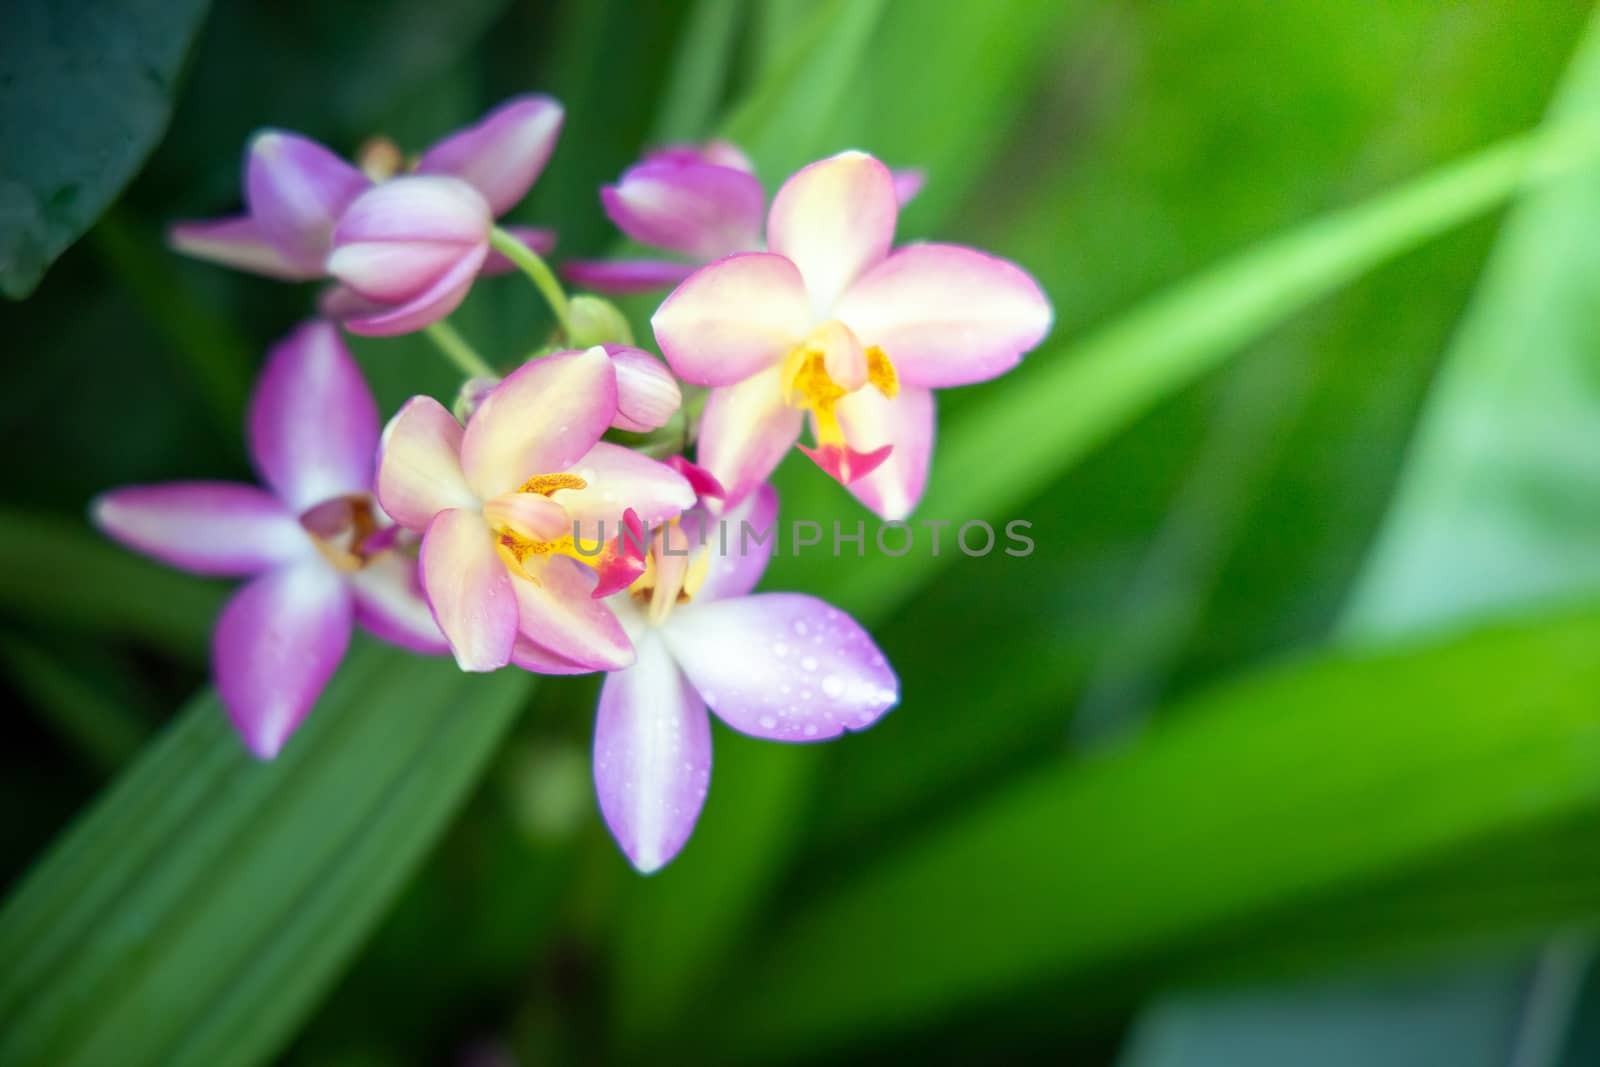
<point>780,666</point>
<point>501,504</point>
<point>699,203</point>
<point>296,190</point>
<point>831,323</point>
<point>319,553</point>
<point>647,393</point>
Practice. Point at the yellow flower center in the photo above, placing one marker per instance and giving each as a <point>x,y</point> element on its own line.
<point>807,385</point>
<point>516,549</point>
<point>673,577</point>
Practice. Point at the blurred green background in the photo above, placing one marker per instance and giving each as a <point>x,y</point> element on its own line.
<point>1282,748</point>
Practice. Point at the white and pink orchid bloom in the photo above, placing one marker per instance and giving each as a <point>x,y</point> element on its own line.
<point>780,666</point>
<point>319,554</point>
<point>506,506</point>
<point>405,253</point>
<point>696,202</point>
<point>296,191</point>
<point>830,322</point>
<point>647,393</point>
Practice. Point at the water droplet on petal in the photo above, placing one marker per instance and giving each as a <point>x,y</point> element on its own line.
<point>809,663</point>
<point>801,628</point>
<point>768,722</point>
<point>833,685</point>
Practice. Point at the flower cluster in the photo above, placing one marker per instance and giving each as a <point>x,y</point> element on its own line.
<point>532,524</point>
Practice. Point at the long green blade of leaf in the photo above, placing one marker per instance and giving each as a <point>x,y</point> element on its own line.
<point>1298,780</point>
<point>62,574</point>
<point>1074,395</point>
<point>198,910</point>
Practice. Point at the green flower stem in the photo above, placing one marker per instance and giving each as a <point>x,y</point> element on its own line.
<point>456,349</point>
<point>538,272</point>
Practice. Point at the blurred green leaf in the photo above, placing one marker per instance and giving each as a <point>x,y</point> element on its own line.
<point>1497,509</point>
<point>198,911</point>
<point>60,572</point>
<point>1073,396</point>
<point>1299,779</point>
<point>700,71</point>
<point>785,119</point>
<point>94,719</point>
<point>85,93</point>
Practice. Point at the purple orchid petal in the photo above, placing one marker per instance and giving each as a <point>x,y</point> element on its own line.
<point>782,666</point>
<point>718,152</point>
<point>276,645</point>
<point>504,153</point>
<point>557,613</point>
<point>647,393</point>
<point>746,431</point>
<point>734,573</point>
<point>947,315</point>
<point>419,466</point>
<point>426,308</point>
<point>297,190</point>
<point>622,277</point>
<point>469,590</point>
<point>540,239</point>
<point>652,757</point>
<point>620,478</point>
<point>834,220</point>
<point>239,243</point>
<point>219,529</point>
<point>869,421</point>
<point>313,422</point>
<point>695,209</point>
<point>531,656</point>
<point>733,319</point>
<point>389,603</point>
<point>395,240</point>
<point>908,182</point>
<point>541,419</point>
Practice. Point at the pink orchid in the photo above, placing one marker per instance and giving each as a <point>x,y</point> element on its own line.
<point>406,253</point>
<point>296,190</point>
<point>501,504</point>
<point>780,666</point>
<point>314,544</point>
<point>832,323</point>
<point>699,203</point>
<point>647,393</point>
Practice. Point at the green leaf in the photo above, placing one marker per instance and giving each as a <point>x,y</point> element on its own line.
<point>1497,509</point>
<point>1074,396</point>
<point>700,71</point>
<point>200,908</point>
<point>66,575</point>
<point>1301,779</point>
<point>85,93</point>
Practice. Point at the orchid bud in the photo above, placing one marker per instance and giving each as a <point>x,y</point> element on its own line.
<point>593,321</point>
<point>409,250</point>
<point>647,393</point>
<point>472,393</point>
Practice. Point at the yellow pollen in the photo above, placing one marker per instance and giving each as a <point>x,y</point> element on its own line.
<point>545,484</point>
<point>807,385</point>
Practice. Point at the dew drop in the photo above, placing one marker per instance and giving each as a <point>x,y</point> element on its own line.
<point>811,729</point>
<point>780,649</point>
<point>809,663</point>
<point>768,722</point>
<point>800,627</point>
<point>833,686</point>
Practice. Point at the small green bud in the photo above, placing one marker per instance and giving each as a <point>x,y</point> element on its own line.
<point>595,321</point>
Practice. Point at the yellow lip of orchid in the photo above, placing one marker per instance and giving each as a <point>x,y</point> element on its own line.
<point>671,577</point>
<point>829,365</point>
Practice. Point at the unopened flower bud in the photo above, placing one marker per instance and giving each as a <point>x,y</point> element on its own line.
<point>647,393</point>
<point>409,249</point>
<point>596,321</point>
